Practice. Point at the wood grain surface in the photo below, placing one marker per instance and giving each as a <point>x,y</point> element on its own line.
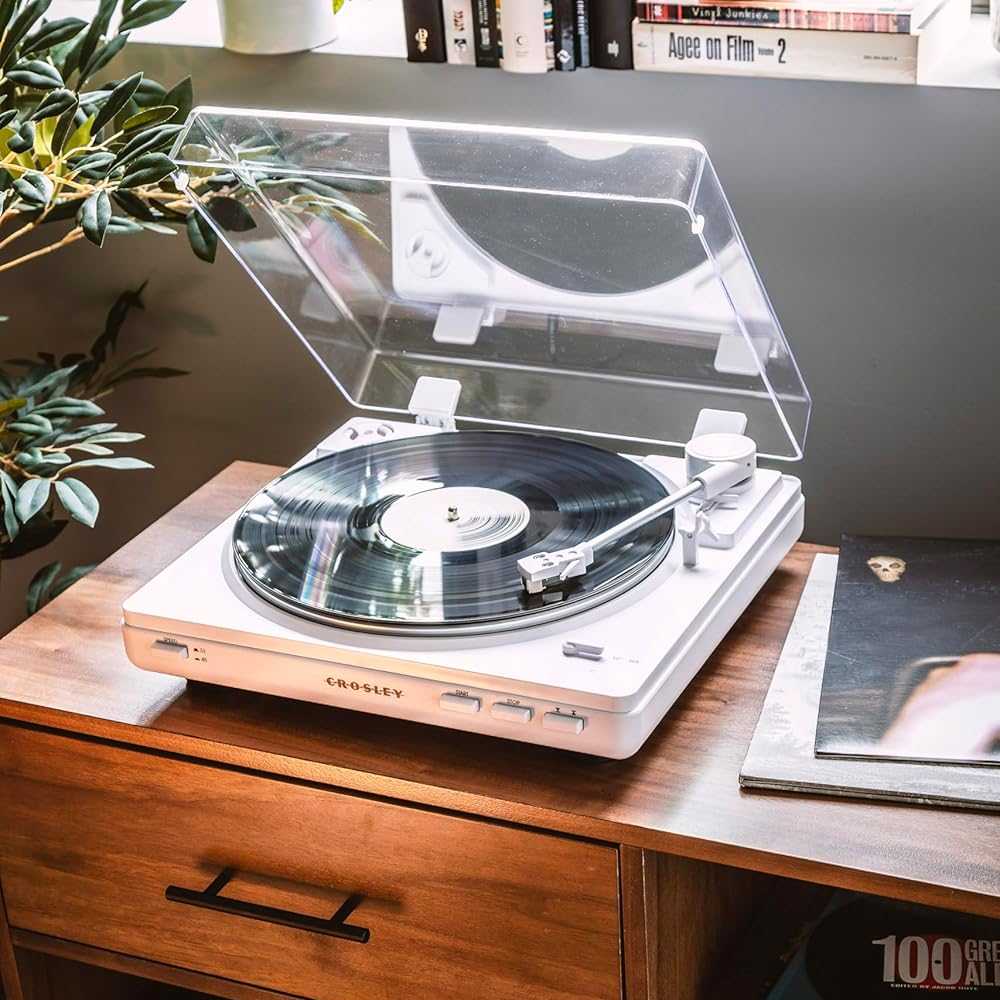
<point>455,907</point>
<point>65,668</point>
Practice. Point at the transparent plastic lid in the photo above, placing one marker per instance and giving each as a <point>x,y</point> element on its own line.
<point>569,282</point>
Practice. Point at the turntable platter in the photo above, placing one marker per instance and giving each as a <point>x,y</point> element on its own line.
<point>425,533</point>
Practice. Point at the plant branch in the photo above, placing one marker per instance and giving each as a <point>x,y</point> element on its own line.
<point>71,237</point>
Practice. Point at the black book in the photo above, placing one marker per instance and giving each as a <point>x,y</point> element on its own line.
<point>582,34</point>
<point>913,660</point>
<point>611,34</point>
<point>487,36</point>
<point>424,31</point>
<point>564,33</point>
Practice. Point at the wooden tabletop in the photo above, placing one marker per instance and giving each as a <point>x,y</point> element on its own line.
<point>65,668</point>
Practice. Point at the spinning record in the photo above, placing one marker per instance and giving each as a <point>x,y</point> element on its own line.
<point>425,533</point>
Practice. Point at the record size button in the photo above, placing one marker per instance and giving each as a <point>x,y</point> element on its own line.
<point>510,713</point>
<point>563,723</point>
<point>459,703</point>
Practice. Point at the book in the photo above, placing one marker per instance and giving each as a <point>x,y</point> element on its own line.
<point>913,659</point>
<point>781,755</point>
<point>804,54</point>
<point>486,32</point>
<point>524,47</point>
<point>611,34</point>
<point>564,34</point>
<point>812,16</point>
<point>424,25</point>
<point>458,32</point>
<point>872,948</point>
<point>582,39</point>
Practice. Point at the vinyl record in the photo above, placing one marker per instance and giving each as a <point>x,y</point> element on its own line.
<point>425,533</point>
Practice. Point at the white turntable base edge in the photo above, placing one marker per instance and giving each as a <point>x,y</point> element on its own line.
<point>610,734</point>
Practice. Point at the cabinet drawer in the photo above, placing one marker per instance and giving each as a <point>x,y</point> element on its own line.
<point>91,836</point>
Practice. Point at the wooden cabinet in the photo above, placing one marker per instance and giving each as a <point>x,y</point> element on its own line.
<point>93,835</point>
<point>487,870</point>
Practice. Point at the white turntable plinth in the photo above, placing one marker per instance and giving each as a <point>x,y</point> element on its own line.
<point>197,619</point>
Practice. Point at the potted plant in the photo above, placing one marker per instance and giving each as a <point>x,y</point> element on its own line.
<point>79,161</point>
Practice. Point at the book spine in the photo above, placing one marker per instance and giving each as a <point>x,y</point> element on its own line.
<point>548,19</point>
<point>816,55</point>
<point>611,34</point>
<point>424,31</point>
<point>487,36</point>
<point>458,30</point>
<point>522,30</point>
<point>564,32</point>
<point>753,15</point>
<point>582,33</point>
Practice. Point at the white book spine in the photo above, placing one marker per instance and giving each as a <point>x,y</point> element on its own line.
<point>522,27</point>
<point>803,54</point>
<point>458,32</point>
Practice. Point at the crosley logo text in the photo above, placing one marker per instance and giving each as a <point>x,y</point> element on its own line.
<point>377,689</point>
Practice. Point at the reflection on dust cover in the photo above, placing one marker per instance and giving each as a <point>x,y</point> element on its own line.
<point>913,661</point>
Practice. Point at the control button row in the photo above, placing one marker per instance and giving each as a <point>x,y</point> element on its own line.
<point>522,714</point>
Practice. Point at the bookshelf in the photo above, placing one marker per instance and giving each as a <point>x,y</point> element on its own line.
<point>375,28</point>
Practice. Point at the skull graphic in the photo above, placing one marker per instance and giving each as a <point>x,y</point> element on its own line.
<point>887,568</point>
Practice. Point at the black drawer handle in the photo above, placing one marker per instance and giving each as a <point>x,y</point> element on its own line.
<point>210,899</point>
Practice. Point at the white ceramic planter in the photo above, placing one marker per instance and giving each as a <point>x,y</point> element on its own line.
<point>265,27</point>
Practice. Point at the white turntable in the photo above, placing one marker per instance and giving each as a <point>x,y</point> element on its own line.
<point>505,307</point>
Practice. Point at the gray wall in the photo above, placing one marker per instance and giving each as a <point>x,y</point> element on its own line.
<point>872,213</point>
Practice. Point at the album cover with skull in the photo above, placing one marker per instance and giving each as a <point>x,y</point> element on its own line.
<point>913,661</point>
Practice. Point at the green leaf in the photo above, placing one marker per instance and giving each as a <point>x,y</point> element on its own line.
<point>90,449</point>
<point>94,166</point>
<point>54,104</point>
<point>8,492</point>
<point>35,188</point>
<point>148,141</point>
<point>52,33</point>
<point>79,500</point>
<point>36,73</point>
<point>182,97</point>
<point>65,126</point>
<point>120,226</point>
<point>149,117</point>
<point>94,217</point>
<point>6,10</point>
<point>98,27</point>
<point>150,93</point>
<point>135,206</point>
<point>123,462</point>
<point>119,97</point>
<point>147,169</point>
<point>69,406</point>
<point>32,496</point>
<point>9,405</point>
<point>204,242</point>
<point>115,437</point>
<point>38,589</point>
<point>20,27</point>
<point>6,117</point>
<point>23,139</point>
<point>102,57</point>
<point>147,13</point>
<point>231,215</point>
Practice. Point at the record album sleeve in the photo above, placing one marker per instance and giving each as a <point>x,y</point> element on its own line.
<point>913,660</point>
